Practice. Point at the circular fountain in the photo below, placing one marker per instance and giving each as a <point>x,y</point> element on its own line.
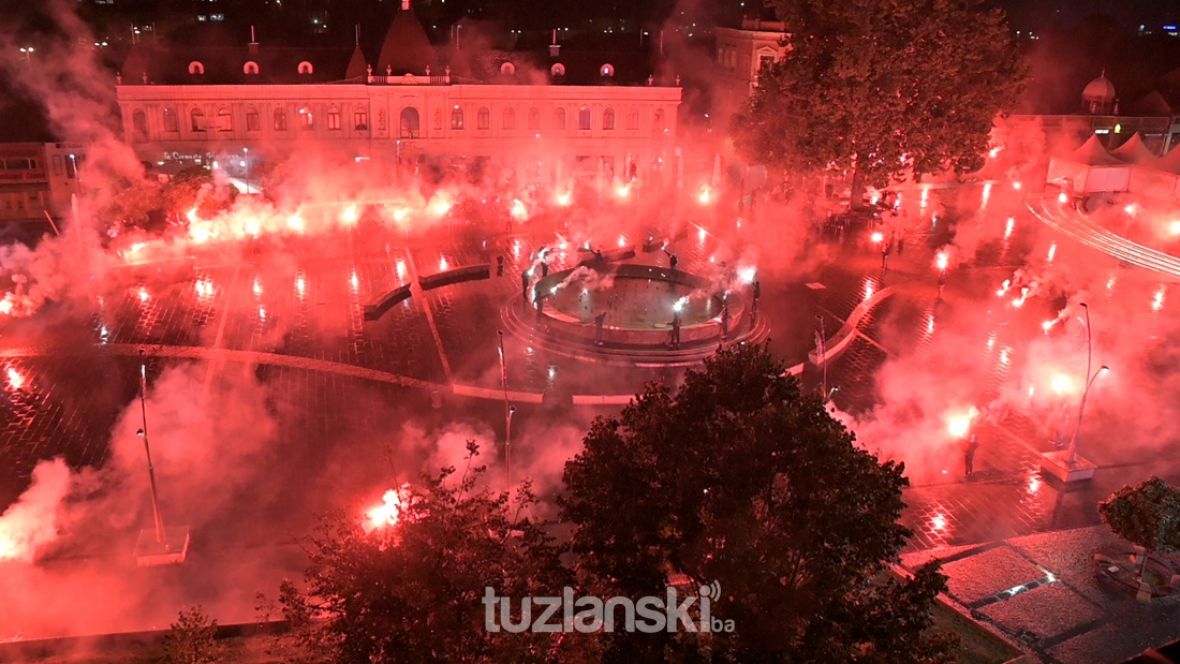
<point>640,303</point>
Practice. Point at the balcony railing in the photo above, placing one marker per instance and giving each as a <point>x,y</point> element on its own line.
<point>410,79</point>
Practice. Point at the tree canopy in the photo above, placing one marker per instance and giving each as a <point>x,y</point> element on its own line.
<point>879,88</point>
<point>1147,515</point>
<point>741,478</point>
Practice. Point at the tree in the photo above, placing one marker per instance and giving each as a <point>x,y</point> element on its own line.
<point>412,590</point>
<point>741,478</point>
<point>192,639</point>
<point>1147,515</point>
<point>878,88</point>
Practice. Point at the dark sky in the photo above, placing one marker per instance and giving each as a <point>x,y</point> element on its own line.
<point>1047,14</point>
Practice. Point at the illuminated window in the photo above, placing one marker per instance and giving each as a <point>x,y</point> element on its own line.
<point>608,118</point>
<point>170,121</point>
<point>607,70</point>
<point>196,68</point>
<point>410,123</point>
<point>305,68</point>
<point>250,68</point>
<point>360,120</point>
<point>583,118</point>
<point>483,119</point>
<point>557,70</point>
<point>306,118</point>
<point>253,122</point>
<point>507,68</point>
<point>509,118</point>
<point>280,119</point>
<point>197,120</point>
<point>333,119</point>
<point>456,117</point>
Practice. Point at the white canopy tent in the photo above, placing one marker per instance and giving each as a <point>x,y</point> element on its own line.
<point>1089,169</point>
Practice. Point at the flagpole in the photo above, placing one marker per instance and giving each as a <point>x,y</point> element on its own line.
<point>160,537</point>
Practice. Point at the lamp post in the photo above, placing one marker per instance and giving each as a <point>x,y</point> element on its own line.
<point>27,51</point>
<point>1072,452</point>
<point>1067,465</point>
<point>246,161</point>
<point>508,412</point>
<point>161,537</point>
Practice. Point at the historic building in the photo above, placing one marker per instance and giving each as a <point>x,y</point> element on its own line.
<point>549,116</point>
<point>743,52</point>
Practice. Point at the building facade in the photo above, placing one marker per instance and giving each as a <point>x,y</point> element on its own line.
<point>417,104</point>
<point>37,179</point>
<point>743,52</point>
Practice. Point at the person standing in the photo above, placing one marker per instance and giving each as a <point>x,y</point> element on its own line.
<point>524,284</point>
<point>725,321</point>
<point>756,293</point>
<point>969,457</point>
<point>676,329</point>
<point>599,320</point>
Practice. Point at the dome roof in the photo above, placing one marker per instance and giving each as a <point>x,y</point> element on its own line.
<point>406,48</point>
<point>1099,89</point>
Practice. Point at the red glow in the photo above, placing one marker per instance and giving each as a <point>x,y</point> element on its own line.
<point>942,261</point>
<point>877,237</point>
<point>16,381</point>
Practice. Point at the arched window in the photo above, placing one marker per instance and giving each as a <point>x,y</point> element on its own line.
<point>250,67</point>
<point>253,123</point>
<point>507,69</point>
<point>657,125</point>
<point>307,118</point>
<point>170,121</point>
<point>457,117</point>
<point>583,118</point>
<point>280,119</point>
<point>483,119</point>
<point>305,68</point>
<point>557,70</point>
<point>225,120</point>
<point>607,70</point>
<point>509,118</point>
<point>139,122</point>
<point>410,123</point>
<point>334,122</point>
<point>559,118</point>
<point>196,68</point>
<point>197,119</point>
<point>608,118</point>
<point>534,118</point>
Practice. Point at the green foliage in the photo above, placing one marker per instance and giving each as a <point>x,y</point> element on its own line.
<point>739,477</point>
<point>1147,515</point>
<point>191,639</point>
<point>881,87</point>
<point>412,591</point>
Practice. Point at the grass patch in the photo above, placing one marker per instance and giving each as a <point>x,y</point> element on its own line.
<point>976,645</point>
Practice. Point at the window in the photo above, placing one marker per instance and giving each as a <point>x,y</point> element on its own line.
<point>483,119</point>
<point>306,119</point>
<point>557,70</point>
<point>409,124</point>
<point>196,68</point>
<point>305,68</point>
<point>509,118</point>
<point>139,122</point>
<point>765,62</point>
<point>608,118</point>
<point>197,119</point>
<point>57,167</point>
<point>632,119</point>
<point>657,125</point>
<point>507,68</point>
<point>280,119</point>
<point>534,118</point>
<point>225,120</point>
<point>253,122</point>
<point>456,117</point>
<point>72,167</point>
<point>360,120</point>
<point>607,71</point>
<point>250,68</point>
<point>170,121</point>
<point>333,119</point>
<point>583,118</point>
<point>559,118</point>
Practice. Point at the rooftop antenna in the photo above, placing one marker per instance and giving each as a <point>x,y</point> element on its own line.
<point>357,36</point>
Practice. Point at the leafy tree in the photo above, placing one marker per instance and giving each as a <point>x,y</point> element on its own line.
<point>191,639</point>
<point>877,88</point>
<point>413,591</point>
<point>1147,515</point>
<point>741,478</point>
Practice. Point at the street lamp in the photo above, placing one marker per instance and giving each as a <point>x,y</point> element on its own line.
<point>509,410</point>
<point>159,546</point>
<point>1067,466</point>
<point>27,51</point>
<point>246,160</point>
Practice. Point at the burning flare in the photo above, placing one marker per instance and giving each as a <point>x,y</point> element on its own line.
<point>388,513</point>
